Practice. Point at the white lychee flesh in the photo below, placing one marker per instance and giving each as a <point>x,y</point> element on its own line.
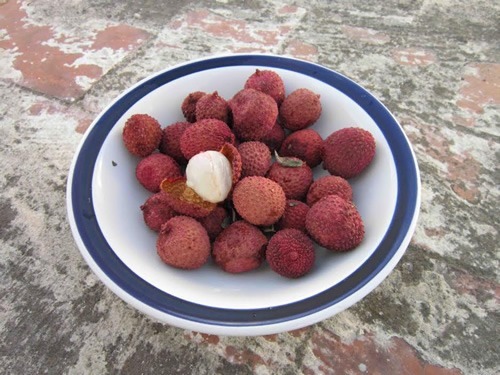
<point>209,174</point>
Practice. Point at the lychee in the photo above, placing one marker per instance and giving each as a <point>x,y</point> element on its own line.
<point>327,185</point>
<point>335,223</point>
<point>348,151</point>
<point>300,109</point>
<point>183,243</point>
<point>212,106</point>
<point>290,253</point>
<point>293,175</point>
<point>255,158</point>
<point>171,138</point>
<point>188,106</point>
<point>156,211</point>
<point>214,222</point>
<point>275,137</point>
<point>154,168</point>
<point>254,114</point>
<point>294,215</point>
<point>239,248</point>
<point>305,144</point>
<point>141,135</point>
<point>259,200</point>
<point>269,82</point>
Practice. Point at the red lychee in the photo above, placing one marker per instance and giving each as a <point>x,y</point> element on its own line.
<point>300,109</point>
<point>305,144</point>
<point>335,224</point>
<point>171,138</point>
<point>154,168</point>
<point>212,106</point>
<point>259,200</point>
<point>255,158</point>
<point>294,215</point>
<point>269,82</point>
<point>348,151</point>
<point>204,135</point>
<point>213,223</point>
<point>183,243</point>
<point>188,106</point>
<point>293,175</point>
<point>141,135</point>
<point>275,137</point>
<point>254,114</point>
<point>156,211</point>
<point>239,248</point>
<point>290,253</point>
<point>328,185</point>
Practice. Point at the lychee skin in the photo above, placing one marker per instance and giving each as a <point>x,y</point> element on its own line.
<point>294,215</point>
<point>275,137</point>
<point>254,114</point>
<point>156,211</point>
<point>290,253</point>
<point>212,106</point>
<point>153,169</point>
<point>328,185</point>
<point>335,224</point>
<point>269,82</point>
<point>171,139</point>
<point>188,106</point>
<point>239,248</point>
<point>213,223</point>
<point>348,151</point>
<point>295,181</point>
<point>205,135</point>
<point>255,158</point>
<point>259,200</point>
<point>300,109</point>
<point>305,144</point>
<point>183,243</point>
<point>141,135</point>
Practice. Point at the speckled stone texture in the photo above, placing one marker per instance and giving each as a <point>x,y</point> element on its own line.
<point>435,64</point>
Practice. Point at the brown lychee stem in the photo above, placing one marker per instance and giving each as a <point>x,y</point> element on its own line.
<point>288,162</point>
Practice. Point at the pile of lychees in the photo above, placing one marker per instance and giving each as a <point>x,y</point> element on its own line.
<point>235,182</point>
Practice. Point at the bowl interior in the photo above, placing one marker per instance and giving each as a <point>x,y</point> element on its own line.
<point>117,197</point>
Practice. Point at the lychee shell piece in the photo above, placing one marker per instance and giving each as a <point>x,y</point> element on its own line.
<point>185,200</point>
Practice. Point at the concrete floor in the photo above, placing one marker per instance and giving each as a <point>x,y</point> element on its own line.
<point>434,63</point>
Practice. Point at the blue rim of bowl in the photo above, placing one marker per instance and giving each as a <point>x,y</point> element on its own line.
<point>109,263</point>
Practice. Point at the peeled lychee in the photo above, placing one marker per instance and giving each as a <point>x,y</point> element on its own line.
<point>188,106</point>
<point>328,185</point>
<point>239,248</point>
<point>300,109</point>
<point>255,158</point>
<point>212,106</point>
<point>204,135</point>
<point>171,138</point>
<point>153,169</point>
<point>141,135</point>
<point>156,211</point>
<point>254,114</point>
<point>269,82</point>
<point>290,253</point>
<point>294,215</point>
<point>305,144</point>
<point>348,151</point>
<point>183,243</point>
<point>293,175</point>
<point>259,200</point>
<point>335,223</point>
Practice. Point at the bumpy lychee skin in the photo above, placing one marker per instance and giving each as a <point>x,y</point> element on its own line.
<point>348,151</point>
<point>335,224</point>
<point>295,180</point>
<point>255,158</point>
<point>213,223</point>
<point>141,135</point>
<point>171,139</point>
<point>183,243</point>
<point>188,106</point>
<point>153,169</point>
<point>294,215</point>
<point>204,135</point>
<point>259,200</point>
<point>300,109</point>
<point>212,106</point>
<point>305,144</point>
<point>328,185</point>
<point>254,114</point>
<point>290,253</point>
<point>156,211</point>
<point>275,137</point>
<point>269,82</point>
<point>239,248</point>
